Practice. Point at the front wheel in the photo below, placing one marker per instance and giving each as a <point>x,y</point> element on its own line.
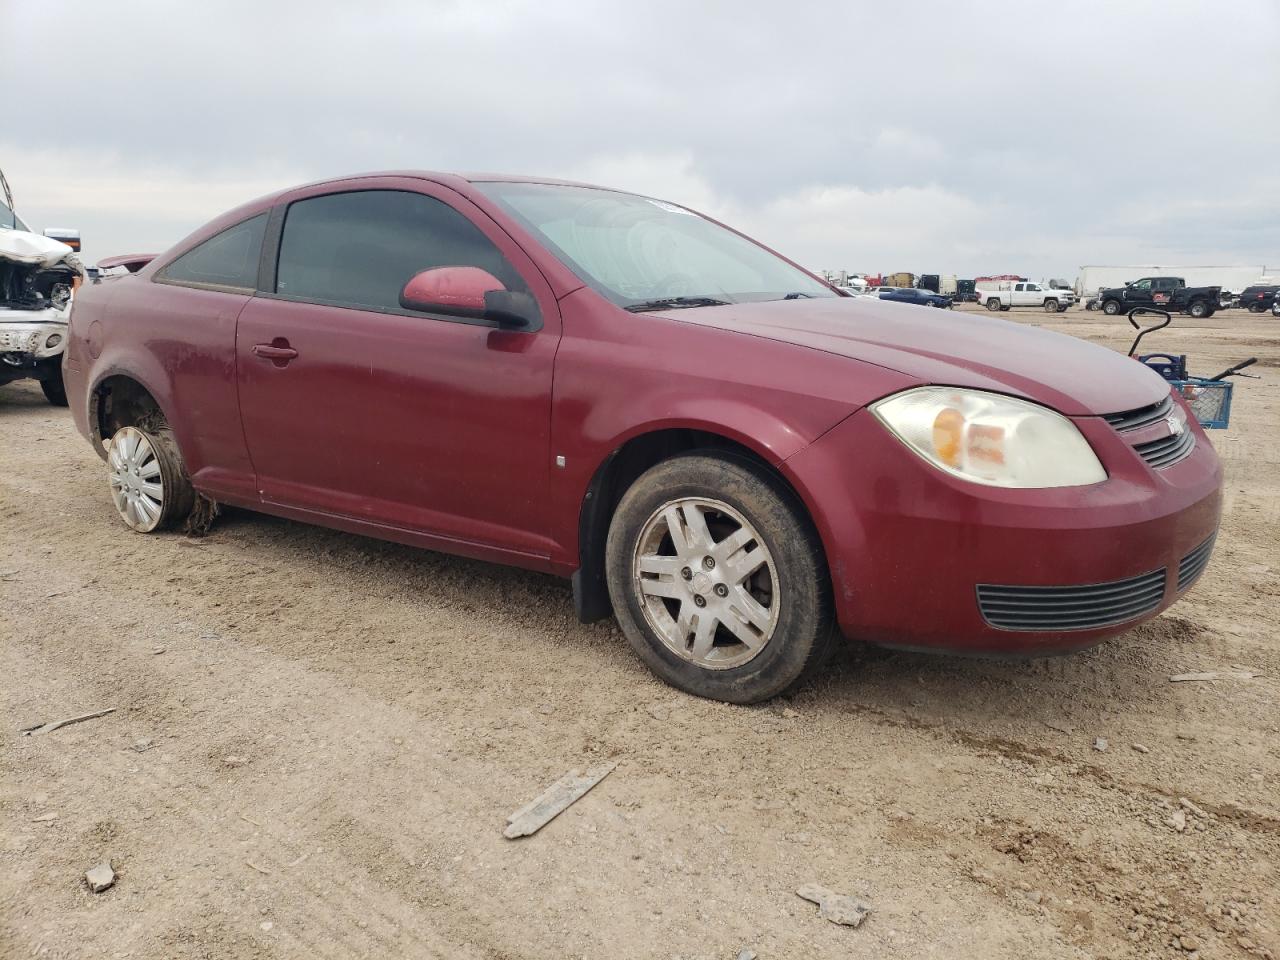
<point>149,484</point>
<point>1052,306</point>
<point>55,391</point>
<point>1111,308</point>
<point>718,579</point>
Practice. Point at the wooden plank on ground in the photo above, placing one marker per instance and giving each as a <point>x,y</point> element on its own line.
<point>553,801</point>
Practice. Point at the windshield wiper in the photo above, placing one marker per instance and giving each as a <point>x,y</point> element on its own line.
<point>677,302</point>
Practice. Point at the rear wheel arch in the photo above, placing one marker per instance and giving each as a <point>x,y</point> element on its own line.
<point>615,475</point>
<point>121,400</point>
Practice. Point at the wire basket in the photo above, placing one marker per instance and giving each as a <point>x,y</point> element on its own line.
<point>1210,400</point>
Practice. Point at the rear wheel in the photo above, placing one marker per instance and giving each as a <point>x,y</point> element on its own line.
<point>1111,308</point>
<point>1199,309</point>
<point>149,484</point>
<point>718,579</point>
<point>55,391</point>
<point>993,304</point>
<point>1256,308</point>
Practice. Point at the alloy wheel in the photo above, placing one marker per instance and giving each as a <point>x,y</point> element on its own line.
<point>706,582</point>
<point>137,488</point>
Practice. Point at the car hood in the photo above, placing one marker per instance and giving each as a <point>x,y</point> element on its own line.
<point>945,347</point>
<point>21,246</point>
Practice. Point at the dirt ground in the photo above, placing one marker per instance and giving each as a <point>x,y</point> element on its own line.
<point>318,738</point>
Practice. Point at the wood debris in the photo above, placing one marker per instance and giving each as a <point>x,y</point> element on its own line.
<point>553,801</point>
<point>58,724</point>
<point>1213,675</point>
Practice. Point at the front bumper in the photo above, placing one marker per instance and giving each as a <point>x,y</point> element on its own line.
<point>35,335</point>
<point>909,546</point>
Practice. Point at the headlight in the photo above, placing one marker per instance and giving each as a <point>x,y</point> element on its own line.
<point>991,439</point>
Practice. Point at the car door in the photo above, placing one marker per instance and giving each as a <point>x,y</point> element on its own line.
<point>1138,294</point>
<point>1162,291</point>
<point>356,407</point>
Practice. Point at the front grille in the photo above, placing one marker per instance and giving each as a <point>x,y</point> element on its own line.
<point>1143,416</point>
<point>1088,607</point>
<point>1167,451</point>
<point>1192,565</point>
<point>1164,452</point>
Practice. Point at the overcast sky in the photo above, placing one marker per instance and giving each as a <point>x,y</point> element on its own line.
<point>998,137</point>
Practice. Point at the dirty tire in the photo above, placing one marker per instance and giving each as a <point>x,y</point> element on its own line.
<point>804,634</point>
<point>1256,308</point>
<point>1052,306</point>
<point>1199,309</point>
<point>992,304</point>
<point>1111,308</point>
<point>177,499</point>
<point>55,391</point>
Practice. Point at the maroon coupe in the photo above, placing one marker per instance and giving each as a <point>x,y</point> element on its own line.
<point>727,454</point>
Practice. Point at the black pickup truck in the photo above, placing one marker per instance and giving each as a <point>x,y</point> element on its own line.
<point>1163,293</point>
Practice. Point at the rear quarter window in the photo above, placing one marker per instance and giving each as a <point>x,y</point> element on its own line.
<point>227,259</point>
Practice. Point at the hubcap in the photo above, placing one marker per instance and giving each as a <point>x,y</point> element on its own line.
<point>706,582</point>
<point>136,485</point>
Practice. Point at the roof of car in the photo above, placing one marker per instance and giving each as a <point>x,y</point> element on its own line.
<point>457,178</point>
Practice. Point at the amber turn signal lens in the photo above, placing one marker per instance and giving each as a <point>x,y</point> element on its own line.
<point>948,435</point>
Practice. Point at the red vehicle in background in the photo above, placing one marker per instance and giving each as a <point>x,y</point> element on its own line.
<point>727,454</point>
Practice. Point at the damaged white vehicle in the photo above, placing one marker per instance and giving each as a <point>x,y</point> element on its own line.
<point>38,277</point>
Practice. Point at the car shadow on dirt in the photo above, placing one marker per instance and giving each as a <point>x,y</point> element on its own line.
<point>1055,694</point>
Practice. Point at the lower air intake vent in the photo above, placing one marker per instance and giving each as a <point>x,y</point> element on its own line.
<point>1051,609</point>
<point>1192,565</point>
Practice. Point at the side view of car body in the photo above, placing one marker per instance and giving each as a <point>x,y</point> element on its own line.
<point>1259,298</point>
<point>923,298</point>
<point>721,450</point>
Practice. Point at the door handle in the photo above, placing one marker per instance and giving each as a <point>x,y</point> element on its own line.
<point>275,352</point>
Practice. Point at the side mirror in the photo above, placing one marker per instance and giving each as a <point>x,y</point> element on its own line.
<point>511,309</point>
<point>64,235</point>
<point>468,292</point>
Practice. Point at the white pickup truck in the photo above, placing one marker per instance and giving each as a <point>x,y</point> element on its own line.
<point>1004,294</point>
<point>38,276</point>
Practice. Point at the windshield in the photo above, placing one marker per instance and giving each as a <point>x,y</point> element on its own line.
<point>9,220</point>
<point>637,251</point>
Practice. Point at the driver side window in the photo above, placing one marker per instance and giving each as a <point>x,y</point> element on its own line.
<point>359,249</point>
<point>1142,286</point>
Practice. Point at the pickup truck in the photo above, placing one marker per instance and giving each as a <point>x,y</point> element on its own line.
<point>1009,293</point>
<point>1163,293</point>
<point>38,276</point>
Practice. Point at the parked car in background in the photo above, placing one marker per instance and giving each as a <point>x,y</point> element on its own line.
<point>1259,298</point>
<point>1009,293</point>
<point>38,277</point>
<point>1163,293</point>
<point>731,458</point>
<point>924,298</point>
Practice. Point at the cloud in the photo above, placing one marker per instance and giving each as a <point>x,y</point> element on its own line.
<point>985,137</point>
